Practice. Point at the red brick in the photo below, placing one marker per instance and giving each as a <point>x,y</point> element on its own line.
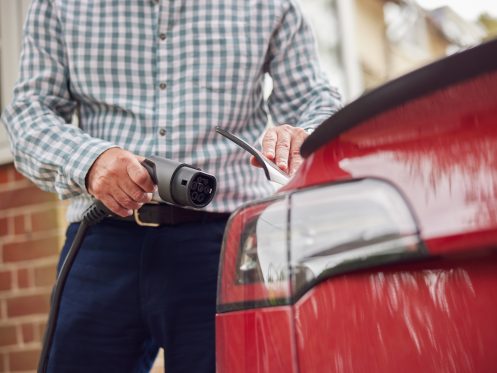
<point>28,250</point>
<point>3,368</point>
<point>4,174</point>
<point>28,305</point>
<point>5,280</point>
<point>23,197</point>
<point>8,336</point>
<point>45,275</point>
<point>4,227</point>
<point>3,309</point>
<point>19,224</point>
<point>23,278</point>
<point>24,360</point>
<point>41,329</point>
<point>28,333</point>
<point>44,220</point>
<point>17,175</point>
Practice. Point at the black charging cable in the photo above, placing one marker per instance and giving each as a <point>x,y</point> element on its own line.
<point>93,215</point>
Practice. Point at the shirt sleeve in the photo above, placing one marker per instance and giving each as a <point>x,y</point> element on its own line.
<point>302,94</point>
<point>47,148</point>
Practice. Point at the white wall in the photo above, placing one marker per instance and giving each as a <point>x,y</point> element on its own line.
<point>12,13</point>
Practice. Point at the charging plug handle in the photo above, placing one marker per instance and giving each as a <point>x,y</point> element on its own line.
<point>150,167</point>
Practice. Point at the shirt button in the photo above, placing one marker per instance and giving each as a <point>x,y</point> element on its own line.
<point>162,86</point>
<point>162,36</point>
<point>162,132</point>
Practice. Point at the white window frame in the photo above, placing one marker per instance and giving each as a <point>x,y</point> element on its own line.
<point>12,13</point>
<point>339,49</point>
<point>346,16</point>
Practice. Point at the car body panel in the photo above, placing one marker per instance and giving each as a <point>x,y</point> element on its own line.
<point>435,316</point>
<point>438,147</point>
<point>260,340</point>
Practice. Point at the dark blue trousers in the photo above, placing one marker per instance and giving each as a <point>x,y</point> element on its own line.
<point>134,289</point>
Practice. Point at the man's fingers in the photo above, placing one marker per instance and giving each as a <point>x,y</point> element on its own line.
<point>282,144</point>
<point>121,203</point>
<point>295,157</point>
<point>134,192</point>
<point>295,164</point>
<point>140,176</point>
<point>254,162</point>
<point>109,201</point>
<point>283,148</point>
<point>269,143</point>
<point>119,180</point>
<point>125,200</point>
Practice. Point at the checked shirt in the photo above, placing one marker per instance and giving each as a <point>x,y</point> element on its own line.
<point>155,77</point>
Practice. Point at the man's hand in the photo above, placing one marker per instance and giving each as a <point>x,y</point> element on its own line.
<point>119,181</point>
<point>281,144</point>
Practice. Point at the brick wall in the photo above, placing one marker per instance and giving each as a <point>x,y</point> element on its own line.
<point>31,234</point>
<point>32,228</point>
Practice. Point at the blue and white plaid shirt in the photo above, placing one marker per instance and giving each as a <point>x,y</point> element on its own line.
<point>155,77</point>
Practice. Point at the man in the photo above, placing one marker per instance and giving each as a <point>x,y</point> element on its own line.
<point>154,77</point>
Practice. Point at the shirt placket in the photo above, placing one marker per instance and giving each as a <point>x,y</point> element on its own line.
<point>162,81</point>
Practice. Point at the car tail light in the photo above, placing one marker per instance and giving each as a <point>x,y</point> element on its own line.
<point>276,249</point>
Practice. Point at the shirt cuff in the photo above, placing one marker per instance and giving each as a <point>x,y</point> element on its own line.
<point>80,162</point>
<point>315,121</point>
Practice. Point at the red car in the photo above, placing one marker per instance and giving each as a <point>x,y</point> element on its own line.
<point>380,255</point>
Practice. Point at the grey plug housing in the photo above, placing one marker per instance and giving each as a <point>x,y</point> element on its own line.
<point>179,183</point>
